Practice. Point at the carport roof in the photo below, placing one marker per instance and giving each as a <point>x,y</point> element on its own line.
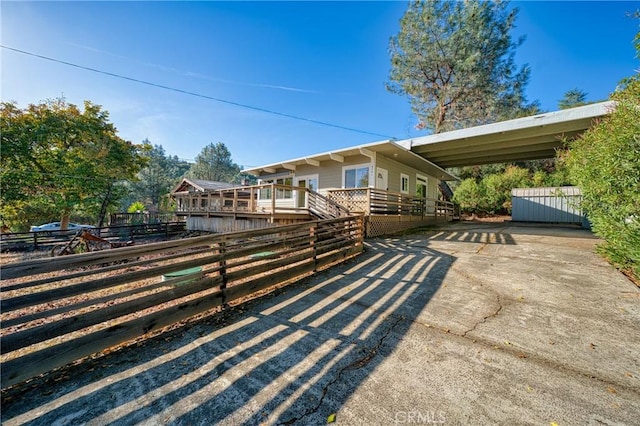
<point>527,138</point>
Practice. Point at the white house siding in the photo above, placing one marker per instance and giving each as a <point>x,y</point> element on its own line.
<point>283,203</point>
<point>395,168</point>
<point>330,172</point>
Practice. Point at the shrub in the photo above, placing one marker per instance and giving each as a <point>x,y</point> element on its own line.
<point>136,207</point>
<point>605,163</point>
<point>468,195</point>
<point>492,194</point>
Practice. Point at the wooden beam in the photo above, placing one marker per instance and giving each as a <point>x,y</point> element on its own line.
<point>367,153</point>
<point>289,166</point>
<point>336,157</point>
<point>312,162</point>
<point>269,169</point>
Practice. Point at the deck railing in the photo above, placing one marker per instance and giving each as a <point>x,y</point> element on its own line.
<point>275,198</point>
<point>370,201</point>
<point>269,198</point>
<point>325,207</point>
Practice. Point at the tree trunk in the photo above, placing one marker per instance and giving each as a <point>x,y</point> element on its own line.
<point>103,208</point>
<point>442,115</point>
<point>64,221</point>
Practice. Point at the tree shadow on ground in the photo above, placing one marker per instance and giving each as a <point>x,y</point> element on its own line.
<point>293,357</point>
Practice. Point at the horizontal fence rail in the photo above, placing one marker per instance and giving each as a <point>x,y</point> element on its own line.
<point>23,240</point>
<point>141,218</point>
<point>58,310</point>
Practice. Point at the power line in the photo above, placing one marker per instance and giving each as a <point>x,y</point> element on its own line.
<point>186,92</point>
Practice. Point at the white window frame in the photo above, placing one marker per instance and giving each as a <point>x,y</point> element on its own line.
<point>420,178</point>
<point>404,177</point>
<point>281,194</point>
<point>298,193</point>
<point>354,167</point>
<point>315,176</point>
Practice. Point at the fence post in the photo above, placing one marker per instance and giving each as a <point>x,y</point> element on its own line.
<point>313,234</point>
<point>223,272</point>
<point>35,240</point>
<point>273,200</point>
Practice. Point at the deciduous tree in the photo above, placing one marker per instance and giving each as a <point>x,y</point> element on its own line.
<point>58,160</point>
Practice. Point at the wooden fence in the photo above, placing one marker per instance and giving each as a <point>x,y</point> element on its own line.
<point>141,218</point>
<point>58,310</point>
<point>13,241</point>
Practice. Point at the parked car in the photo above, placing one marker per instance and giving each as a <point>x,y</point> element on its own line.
<point>55,226</point>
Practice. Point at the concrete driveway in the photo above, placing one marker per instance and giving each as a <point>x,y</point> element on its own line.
<point>467,324</point>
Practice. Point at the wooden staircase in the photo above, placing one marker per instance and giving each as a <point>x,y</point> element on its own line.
<point>324,208</point>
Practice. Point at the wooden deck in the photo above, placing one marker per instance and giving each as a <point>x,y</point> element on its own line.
<point>258,206</point>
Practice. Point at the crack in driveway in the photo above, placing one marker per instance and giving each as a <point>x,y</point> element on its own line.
<point>353,365</point>
<point>486,317</point>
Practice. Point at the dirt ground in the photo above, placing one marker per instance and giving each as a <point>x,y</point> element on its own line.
<point>485,218</point>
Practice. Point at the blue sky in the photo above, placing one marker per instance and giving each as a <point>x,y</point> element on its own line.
<point>324,61</point>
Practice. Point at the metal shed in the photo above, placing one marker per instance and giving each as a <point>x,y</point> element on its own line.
<point>551,205</point>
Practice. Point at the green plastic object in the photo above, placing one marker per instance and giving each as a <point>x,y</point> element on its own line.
<point>189,275</point>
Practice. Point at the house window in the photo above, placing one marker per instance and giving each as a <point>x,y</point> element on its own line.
<point>355,176</point>
<point>421,186</point>
<point>404,183</point>
<point>281,193</point>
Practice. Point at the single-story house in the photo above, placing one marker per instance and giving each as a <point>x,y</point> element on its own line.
<point>395,185</point>
<point>391,186</point>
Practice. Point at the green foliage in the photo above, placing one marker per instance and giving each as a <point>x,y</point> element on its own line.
<point>468,195</point>
<point>573,98</point>
<point>245,179</point>
<point>539,178</point>
<point>605,163</point>
<point>492,193</point>
<point>157,178</point>
<point>454,60</point>
<point>214,163</point>
<point>498,188</point>
<point>136,207</point>
<point>58,160</point>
